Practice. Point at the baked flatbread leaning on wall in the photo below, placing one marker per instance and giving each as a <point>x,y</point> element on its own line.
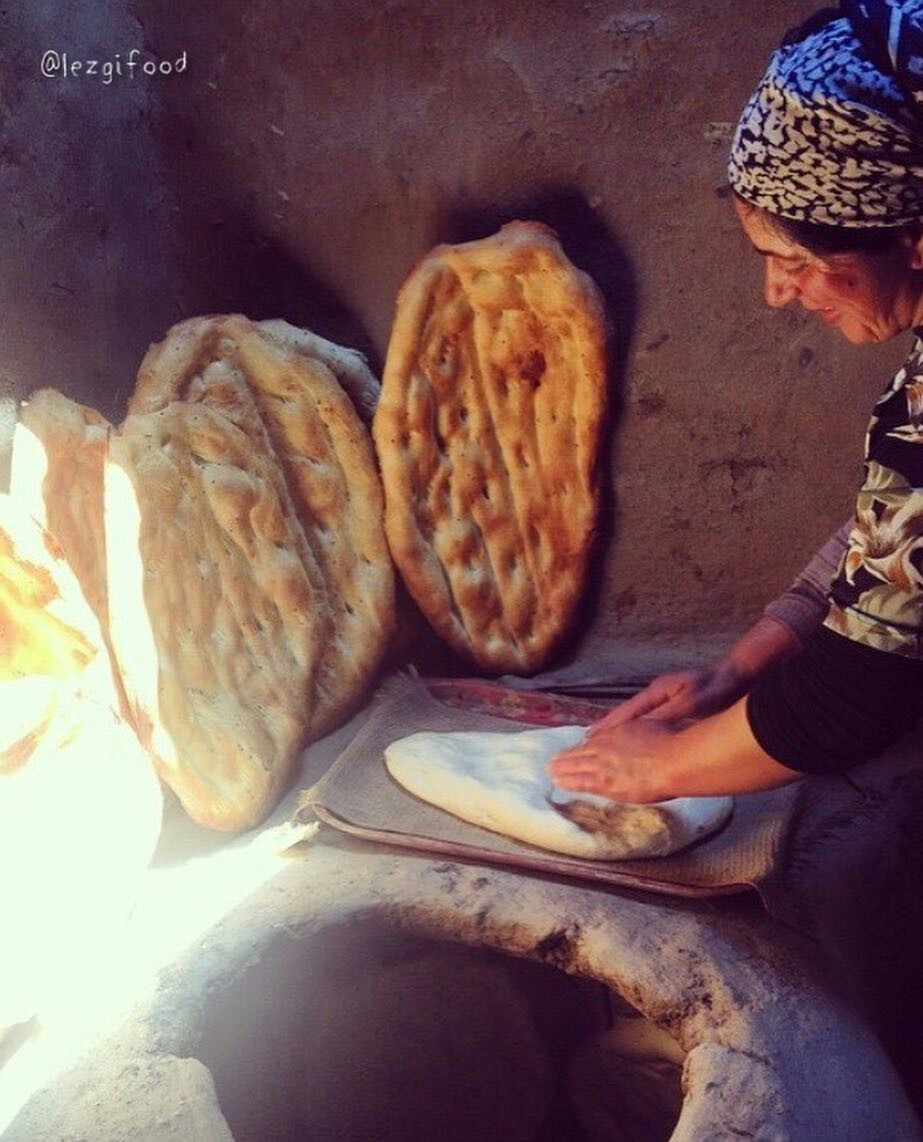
<point>293,407</point>
<point>488,431</point>
<point>46,627</point>
<point>56,475</point>
<point>250,588</point>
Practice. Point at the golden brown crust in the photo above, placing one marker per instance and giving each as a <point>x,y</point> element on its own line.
<point>348,366</point>
<point>487,432</point>
<point>329,466</point>
<point>299,463</point>
<point>47,630</point>
<point>34,639</point>
<point>217,624</point>
<point>616,821</point>
<point>68,441</point>
<point>657,829</point>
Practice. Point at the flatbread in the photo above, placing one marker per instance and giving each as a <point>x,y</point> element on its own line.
<point>219,613</point>
<point>488,431</point>
<point>59,452</point>
<point>58,460</point>
<point>265,380</point>
<point>499,781</point>
<point>59,729</point>
<point>348,365</point>
<point>46,626</point>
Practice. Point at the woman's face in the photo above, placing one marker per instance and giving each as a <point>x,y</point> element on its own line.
<point>866,298</point>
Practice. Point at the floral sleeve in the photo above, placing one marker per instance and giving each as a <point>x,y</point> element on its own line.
<point>876,599</point>
<point>805,604</point>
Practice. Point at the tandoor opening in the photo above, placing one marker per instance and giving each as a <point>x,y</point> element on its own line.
<point>365,1034</point>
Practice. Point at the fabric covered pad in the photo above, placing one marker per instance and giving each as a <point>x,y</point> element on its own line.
<point>357,796</point>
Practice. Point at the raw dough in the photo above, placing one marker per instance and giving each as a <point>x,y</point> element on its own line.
<point>499,781</point>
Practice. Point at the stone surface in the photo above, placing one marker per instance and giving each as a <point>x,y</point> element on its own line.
<point>360,1034</point>
<point>772,1050</point>
<point>130,1099</point>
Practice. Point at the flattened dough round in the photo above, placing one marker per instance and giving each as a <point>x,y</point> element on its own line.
<point>499,781</point>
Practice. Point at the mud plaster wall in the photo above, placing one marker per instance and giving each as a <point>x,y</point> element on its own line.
<point>311,152</point>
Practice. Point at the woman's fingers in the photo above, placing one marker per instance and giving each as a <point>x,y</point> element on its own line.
<point>577,764</point>
<point>566,764</point>
<point>627,763</point>
<point>590,749</point>
<point>668,698</point>
<point>636,707</point>
<point>677,696</point>
<point>674,709</point>
<point>586,779</point>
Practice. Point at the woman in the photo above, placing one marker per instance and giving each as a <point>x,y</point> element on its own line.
<point>827,172</point>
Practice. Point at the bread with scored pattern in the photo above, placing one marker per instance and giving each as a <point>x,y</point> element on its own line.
<point>488,431</point>
<point>258,606</point>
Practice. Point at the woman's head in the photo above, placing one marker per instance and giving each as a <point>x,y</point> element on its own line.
<point>827,168</point>
<point>833,134</point>
<point>867,283</point>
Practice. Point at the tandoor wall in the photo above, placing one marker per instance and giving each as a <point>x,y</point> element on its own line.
<point>307,154</point>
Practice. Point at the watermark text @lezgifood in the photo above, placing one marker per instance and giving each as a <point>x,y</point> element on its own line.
<point>131,65</point>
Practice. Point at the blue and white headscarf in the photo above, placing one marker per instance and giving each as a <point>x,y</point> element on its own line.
<point>834,132</point>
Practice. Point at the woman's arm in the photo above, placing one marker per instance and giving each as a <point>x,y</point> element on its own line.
<point>832,706</point>
<point>804,605</point>
<point>786,624</point>
<point>707,689</point>
<point>644,760</point>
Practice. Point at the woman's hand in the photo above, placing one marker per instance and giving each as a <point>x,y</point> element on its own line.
<point>630,762</point>
<point>645,760</point>
<point>637,753</point>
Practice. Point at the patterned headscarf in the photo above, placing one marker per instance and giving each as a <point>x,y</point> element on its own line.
<point>834,132</point>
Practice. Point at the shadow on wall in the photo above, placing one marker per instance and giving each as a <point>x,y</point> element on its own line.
<point>230,266</point>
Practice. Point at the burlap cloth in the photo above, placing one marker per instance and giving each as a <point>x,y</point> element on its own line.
<point>358,796</point>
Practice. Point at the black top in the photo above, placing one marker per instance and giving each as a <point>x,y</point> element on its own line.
<point>855,687</point>
<point>835,704</point>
